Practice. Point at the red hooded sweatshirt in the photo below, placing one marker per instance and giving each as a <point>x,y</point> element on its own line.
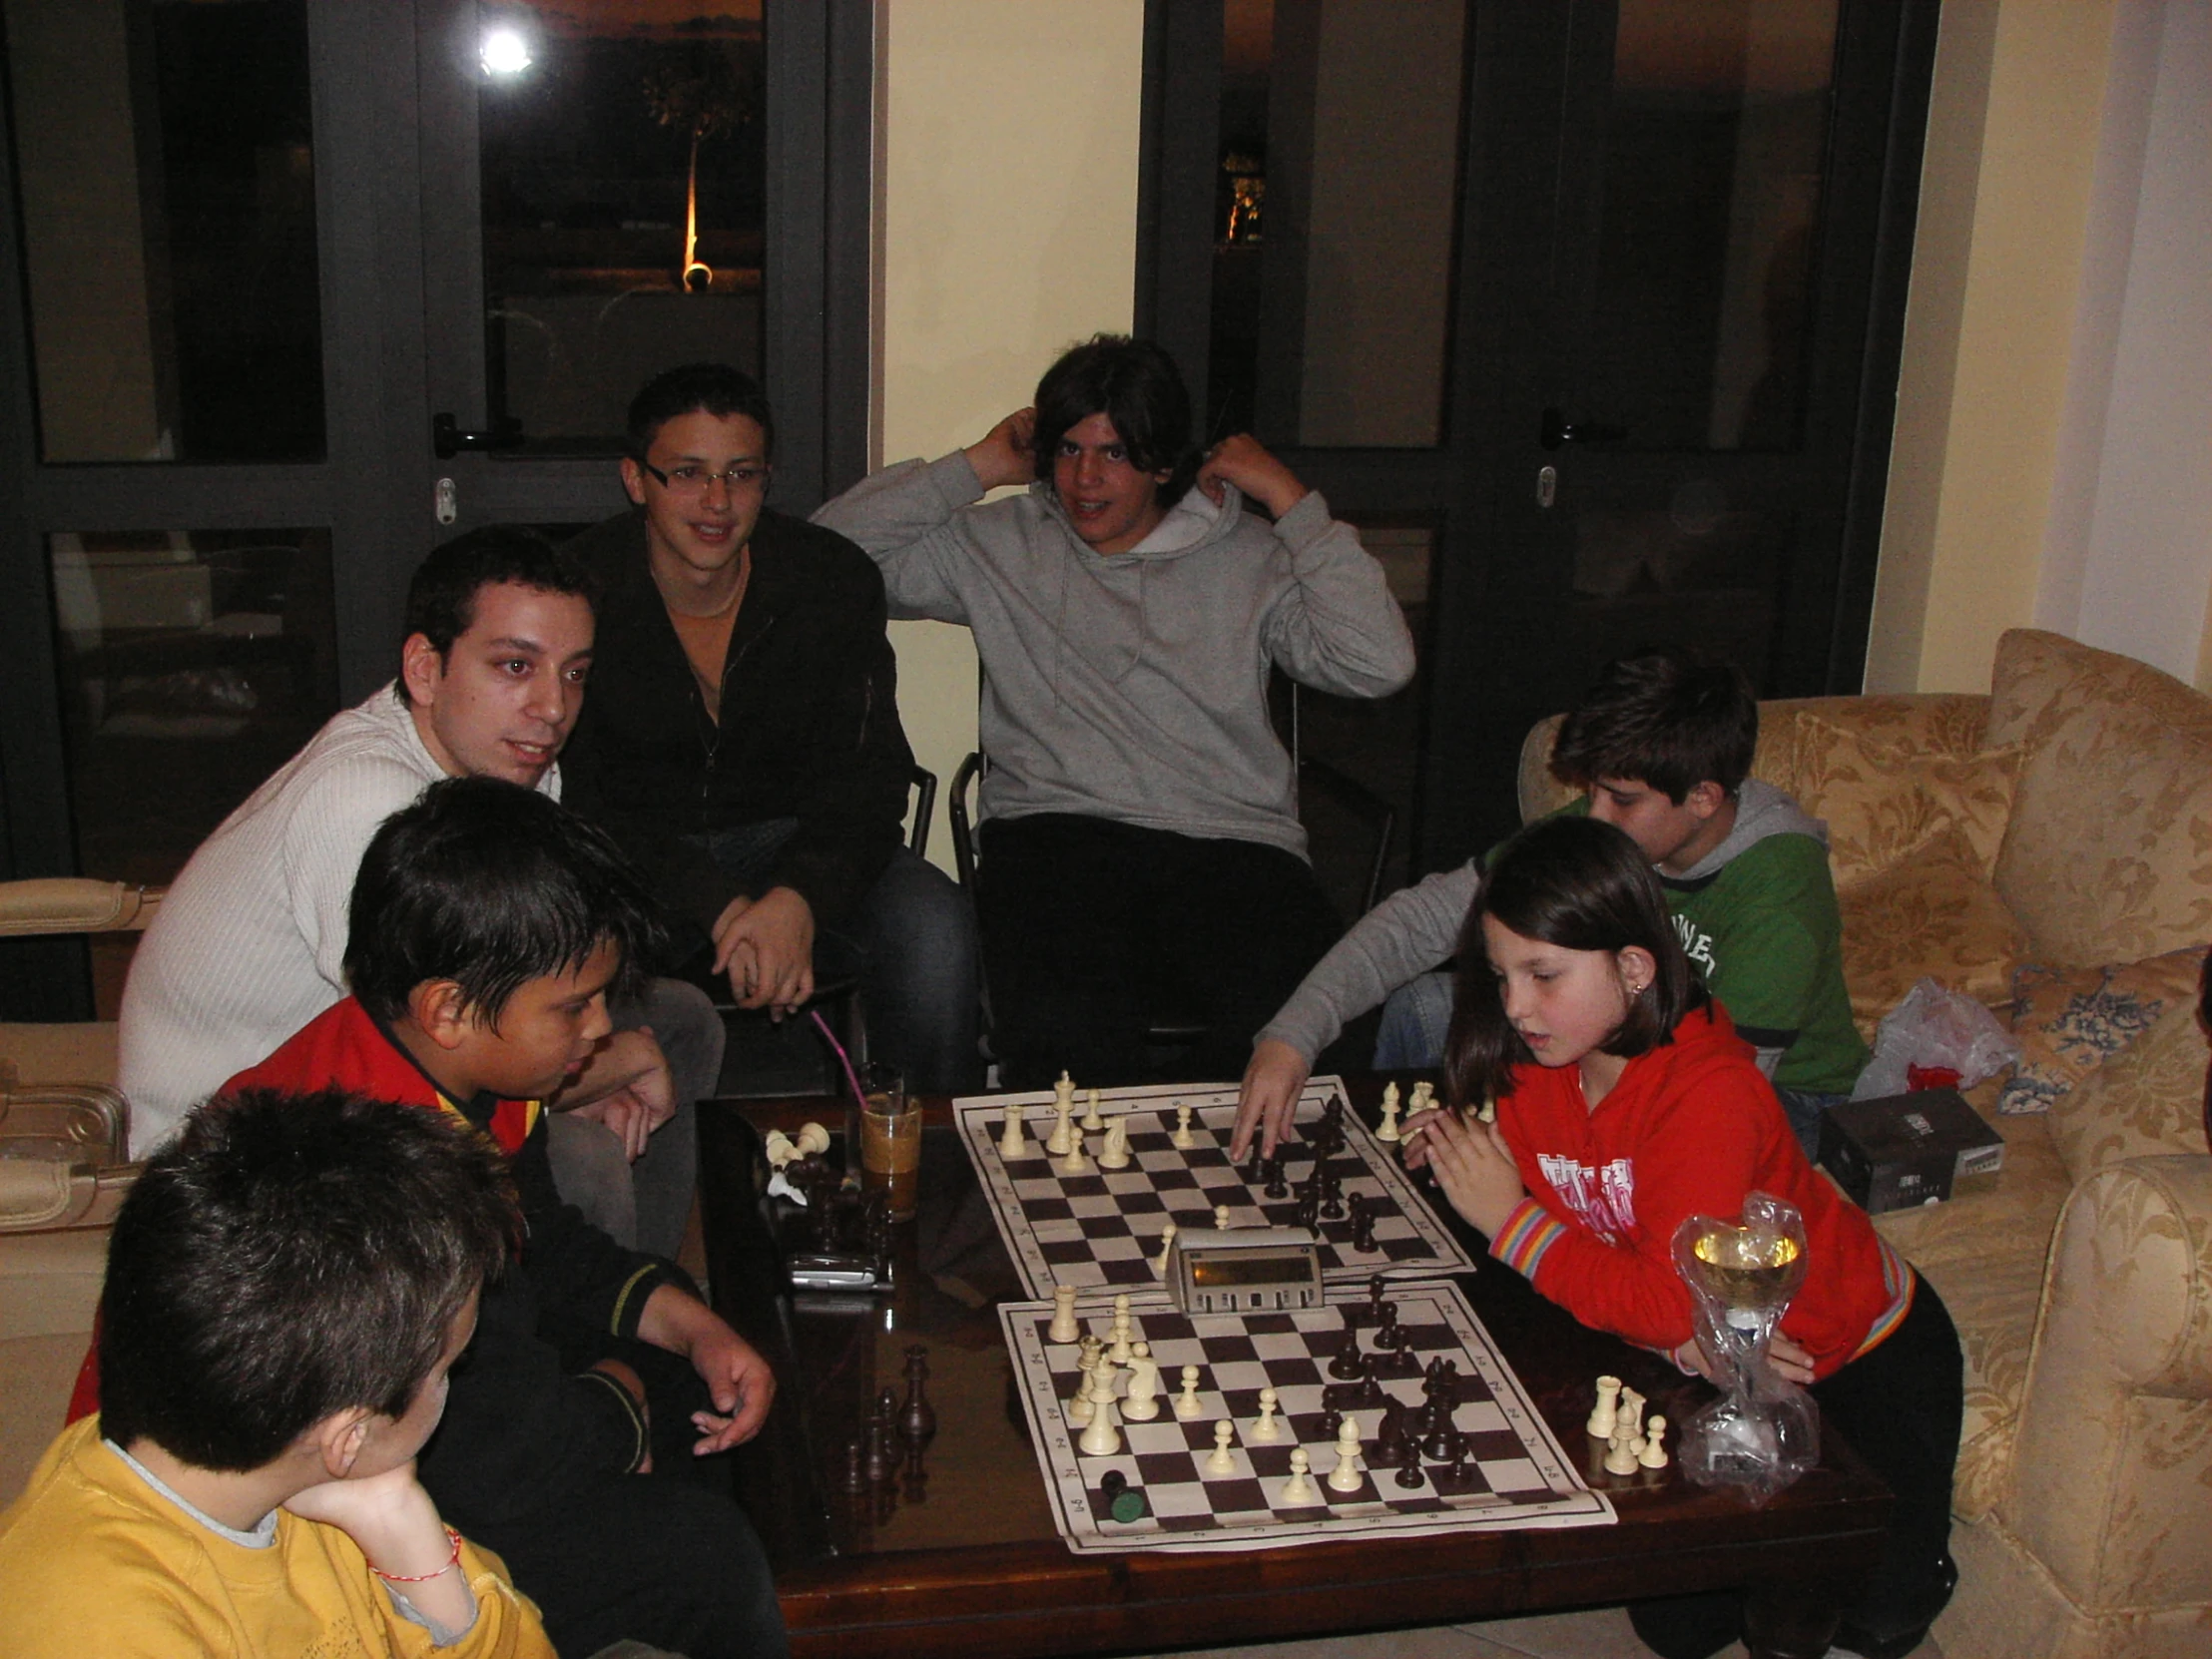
<point>1690,1129</point>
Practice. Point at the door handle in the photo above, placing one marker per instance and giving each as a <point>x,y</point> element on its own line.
<point>447,439</point>
<point>1557,430</point>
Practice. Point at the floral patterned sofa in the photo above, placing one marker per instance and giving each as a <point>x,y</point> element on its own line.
<point>2048,849</point>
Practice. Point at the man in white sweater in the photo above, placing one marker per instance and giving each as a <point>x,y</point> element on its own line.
<point>250,944</point>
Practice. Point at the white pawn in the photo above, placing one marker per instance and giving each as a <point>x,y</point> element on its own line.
<point>1101,1438</point>
<point>1221,1217</point>
<point>779,1147</point>
<point>1012,1143</point>
<point>1075,1163</point>
<point>1388,1130</point>
<point>1297,1489</point>
<point>1117,1346</point>
<point>1182,1140</point>
<point>1266,1428</point>
<point>1654,1455</point>
<point>1091,1120</point>
<point>1063,1327</point>
<point>1058,1141</point>
<point>1607,1413</point>
<point>1186,1402</point>
<point>1222,1460</point>
<point>1115,1153</point>
<point>1618,1459</point>
<point>1142,1402</point>
<point>1167,1248</point>
<point>1345,1477</point>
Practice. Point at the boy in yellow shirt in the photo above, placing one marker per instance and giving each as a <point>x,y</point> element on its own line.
<point>288,1286</point>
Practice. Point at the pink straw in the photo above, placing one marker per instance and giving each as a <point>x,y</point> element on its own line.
<point>843,1059</point>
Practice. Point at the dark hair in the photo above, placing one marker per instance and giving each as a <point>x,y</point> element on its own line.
<point>1665,718</point>
<point>442,595</point>
<point>1583,886</point>
<point>489,885</point>
<point>1137,386</point>
<point>288,1257</point>
<point>714,388</point>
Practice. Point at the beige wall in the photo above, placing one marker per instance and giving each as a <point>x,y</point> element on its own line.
<point>2004,194</point>
<point>1007,212</point>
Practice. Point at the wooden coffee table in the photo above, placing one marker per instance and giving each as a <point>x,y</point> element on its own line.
<point>961,1558</point>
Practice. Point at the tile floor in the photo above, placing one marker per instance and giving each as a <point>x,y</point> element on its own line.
<point>1603,1634</point>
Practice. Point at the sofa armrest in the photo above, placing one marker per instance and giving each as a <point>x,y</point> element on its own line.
<point>2113,1458</point>
<point>75,905</point>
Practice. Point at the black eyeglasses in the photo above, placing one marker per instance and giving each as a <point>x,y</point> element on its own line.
<point>741,479</point>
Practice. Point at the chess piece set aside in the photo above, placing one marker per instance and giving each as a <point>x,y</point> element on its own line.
<point>832,1235</point>
<point>884,1460</point>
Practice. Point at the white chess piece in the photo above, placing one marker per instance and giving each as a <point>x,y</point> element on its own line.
<point>1074,1163</point>
<point>1117,1346</point>
<point>1012,1143</point>
<point>1488,1111</point>
<point>1186,1402</point>
<point>1182,1140</point>
<point>1063,1327</point>
<point>1629,1424</point>
<point>1167,1248</point>
<point>1618,1459</point>
<point>1063,1092</point>
<point>1424,1096</point>
<point>779,1147</point>
<point>1345,1477</point>
<point>1297,1489</point>
<point>1221,1217</point>
<point>1222,1460</point>
<point>1142,1402</point>
<point>1607,1413</point>
<point>1388,1130</point>
<point>1266,1428</point>
<point>1115,1153</point>
<point>1079,1407</point>
<point>1654,1455</point>
<point>1058,1141</point>
<point>812,1138</point>
<point>1091,1120</point>
<point>1101,1438</point>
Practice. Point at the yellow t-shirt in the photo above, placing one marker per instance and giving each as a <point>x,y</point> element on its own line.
<point>95,1561</point>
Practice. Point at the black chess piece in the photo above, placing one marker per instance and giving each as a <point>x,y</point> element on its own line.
<point>1332,1201</point>
<point>1308,1210</point>
<point>1382,1450</point>
<point>1346,1366</point>
<point>1372,1393</point>
<point>1443,1440</point>
<point>1257,1170</point>
<point>1329,1423</point>
<point>914,1488</point>
<point>1455,1475</point>
<point>1362,1223</point>
<point>918,1419</point>
<point>1123,1500</point>
<point>881,1461</point>
<point>1272,1169</point>
<point>1406,1452</point>
<point>1374,1297</point>
<point>1388,1335</point>
<point>1409,1474</point>
<point>855,1476</point>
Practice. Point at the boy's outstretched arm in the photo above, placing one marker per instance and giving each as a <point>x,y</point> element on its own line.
<point>738,1379</point>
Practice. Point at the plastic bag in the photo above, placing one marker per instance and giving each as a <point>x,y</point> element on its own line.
<point>1935,1030</point>
<point>1764,1431</point>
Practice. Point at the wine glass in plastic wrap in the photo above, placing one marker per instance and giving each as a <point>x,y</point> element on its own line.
<point>1764,1431</point>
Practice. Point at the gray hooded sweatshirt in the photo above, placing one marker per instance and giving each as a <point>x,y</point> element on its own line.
<point>1133,685</point>
<point>1417,928</point>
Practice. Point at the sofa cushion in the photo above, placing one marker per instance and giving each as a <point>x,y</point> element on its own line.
<point>2070,1022</point>
<point>1883,803</point>
<point>2107,858</point>
<point>1932,914</point>
<point>2146,1101</point>
<point>1984,1251</point>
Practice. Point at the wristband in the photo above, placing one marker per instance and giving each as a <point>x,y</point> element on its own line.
<point>425,1577</point>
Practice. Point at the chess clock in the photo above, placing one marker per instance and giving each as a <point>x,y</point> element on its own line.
<point>1243,1270</point>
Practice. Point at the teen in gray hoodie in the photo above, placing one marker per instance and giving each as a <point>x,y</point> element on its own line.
<point>1140,815</point>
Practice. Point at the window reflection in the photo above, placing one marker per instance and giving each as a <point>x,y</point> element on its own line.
<point>165,170</point>
<point>623,196</point>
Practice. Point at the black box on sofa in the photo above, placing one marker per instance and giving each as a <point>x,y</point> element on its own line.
<point>1906,1149</point>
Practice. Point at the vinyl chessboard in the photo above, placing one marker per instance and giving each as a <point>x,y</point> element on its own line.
<point>1101,1231</point>
<point>1515,1474</point>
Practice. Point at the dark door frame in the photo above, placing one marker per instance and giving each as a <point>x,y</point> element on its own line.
<point>1893,39</point>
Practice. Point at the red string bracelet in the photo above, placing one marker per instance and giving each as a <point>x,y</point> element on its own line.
<point>425,1577</point>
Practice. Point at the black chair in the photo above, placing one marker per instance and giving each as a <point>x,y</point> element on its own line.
<point>1171,1030</point>
<point>763,1058</point>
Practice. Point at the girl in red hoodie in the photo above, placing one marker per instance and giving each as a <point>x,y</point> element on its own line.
<point>1625,1103</point>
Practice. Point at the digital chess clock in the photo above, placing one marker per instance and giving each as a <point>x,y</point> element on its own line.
<point>1243,1270</point>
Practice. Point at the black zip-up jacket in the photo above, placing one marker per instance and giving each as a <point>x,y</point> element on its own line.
<point>809,722</point>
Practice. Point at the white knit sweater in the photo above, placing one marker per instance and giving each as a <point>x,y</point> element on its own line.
<point>250,944</point>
